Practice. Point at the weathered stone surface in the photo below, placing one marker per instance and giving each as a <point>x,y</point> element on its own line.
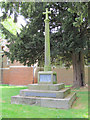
<point>47,66</point>
<point>45,102</point>
<point>45,93</point>
<point>53,87</point>
<point>47,77</point>
<point>59,103</point>
<point>22,100</point>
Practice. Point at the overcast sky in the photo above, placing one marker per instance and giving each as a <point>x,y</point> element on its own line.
<point>20,19</point>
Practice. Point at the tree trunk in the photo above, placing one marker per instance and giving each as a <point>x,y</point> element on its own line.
<point>78,69</point>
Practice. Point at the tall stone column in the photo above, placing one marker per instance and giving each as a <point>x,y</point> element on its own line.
<point>47,66</point>
<point>47,76</point>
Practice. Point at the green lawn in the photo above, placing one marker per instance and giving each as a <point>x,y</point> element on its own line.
<point>78,110</point>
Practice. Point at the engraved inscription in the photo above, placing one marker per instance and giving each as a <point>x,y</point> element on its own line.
<point>45,78</point>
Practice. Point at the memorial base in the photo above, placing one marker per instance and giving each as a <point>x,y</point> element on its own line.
<point>46,95</point>
<point>47,77</point>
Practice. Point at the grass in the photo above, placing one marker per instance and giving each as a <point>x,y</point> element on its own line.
<point>78,110</point>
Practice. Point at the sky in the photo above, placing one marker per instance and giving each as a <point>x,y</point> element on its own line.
<point>20,19</point>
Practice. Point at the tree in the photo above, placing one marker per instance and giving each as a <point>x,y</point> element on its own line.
<point>81,22</point>
<point>69,41</point>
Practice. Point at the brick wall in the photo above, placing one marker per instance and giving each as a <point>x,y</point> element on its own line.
<point>22,75</point>
<point>18,75</point>
<point>6,75</point>
<point>64,75</point>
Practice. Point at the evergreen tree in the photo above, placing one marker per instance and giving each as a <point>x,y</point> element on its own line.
<point>69,41</point>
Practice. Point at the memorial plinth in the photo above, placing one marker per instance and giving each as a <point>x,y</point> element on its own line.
<point>47,77</point>
<point>46,95</point>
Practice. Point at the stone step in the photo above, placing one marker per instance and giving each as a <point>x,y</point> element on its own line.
<point>45,102</point>
<point>54,87</point>
<point>45,93</point>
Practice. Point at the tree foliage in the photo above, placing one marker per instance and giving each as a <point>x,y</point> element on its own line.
<point>68,31</point>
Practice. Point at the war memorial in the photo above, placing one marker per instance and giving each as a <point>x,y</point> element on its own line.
<point>46,93</point>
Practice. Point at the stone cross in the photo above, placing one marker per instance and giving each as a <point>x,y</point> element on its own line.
<point>47,12</point>
<point>47,66</point>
